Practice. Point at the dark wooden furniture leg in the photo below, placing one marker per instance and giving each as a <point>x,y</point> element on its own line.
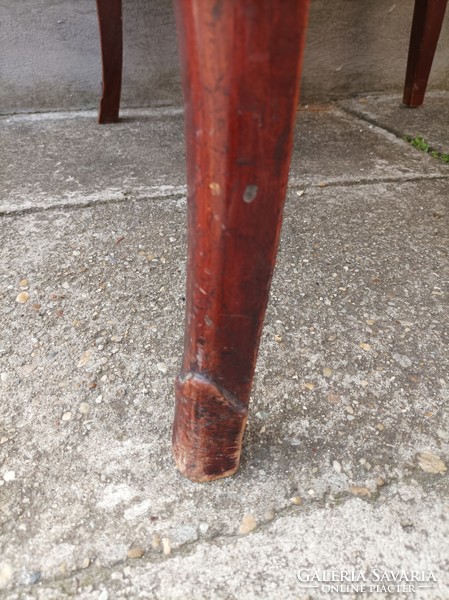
<point>427,21</point>
<point>111,39</point>
<point>241,64</point>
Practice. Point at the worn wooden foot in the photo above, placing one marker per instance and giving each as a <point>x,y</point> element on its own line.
<point>427,21</point>
<point>241,63</point>
<point>111,39</point>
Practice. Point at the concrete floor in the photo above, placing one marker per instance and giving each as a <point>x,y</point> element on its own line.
<point>344,464</point>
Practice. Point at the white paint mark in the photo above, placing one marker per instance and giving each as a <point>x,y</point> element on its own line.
<point>250,193</point>
<point>215,188</point>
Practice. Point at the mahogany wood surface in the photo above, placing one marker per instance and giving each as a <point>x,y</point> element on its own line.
<point>426,26</point>
<point>241,63</point>
<point>111,41</point>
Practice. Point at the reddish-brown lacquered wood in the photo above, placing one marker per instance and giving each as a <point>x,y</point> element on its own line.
<point>241,63</point>
<point>427,21</point>
<point>111,40</point>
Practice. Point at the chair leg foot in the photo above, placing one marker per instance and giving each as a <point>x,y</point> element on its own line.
<point>241,64</point>
<point>426,26</point>
<point>210,423</point>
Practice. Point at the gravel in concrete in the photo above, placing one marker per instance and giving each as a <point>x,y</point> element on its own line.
<point>345,456</point>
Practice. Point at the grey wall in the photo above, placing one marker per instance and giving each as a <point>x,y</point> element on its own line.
<point>50,58</point>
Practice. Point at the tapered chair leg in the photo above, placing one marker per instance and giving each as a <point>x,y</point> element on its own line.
<point>111,40</point>
<point>241,64</point>
<point>427,21</point>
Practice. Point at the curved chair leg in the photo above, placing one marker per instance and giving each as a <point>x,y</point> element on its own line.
<point>241,63</point>
<point>111,39</point>
<point>427,21</point>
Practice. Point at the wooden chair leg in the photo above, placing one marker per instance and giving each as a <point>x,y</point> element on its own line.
<point>427,21</point>
<point>111,40</point>
<point>241,64</point>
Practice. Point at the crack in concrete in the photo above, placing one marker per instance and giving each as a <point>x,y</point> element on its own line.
<point>175,195</point>
<point>91,113</point>
<point>368,181</point>
<point>365,118</point>
<point>372,121</point>
<point>102,573</point>
<point>181,192</point>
